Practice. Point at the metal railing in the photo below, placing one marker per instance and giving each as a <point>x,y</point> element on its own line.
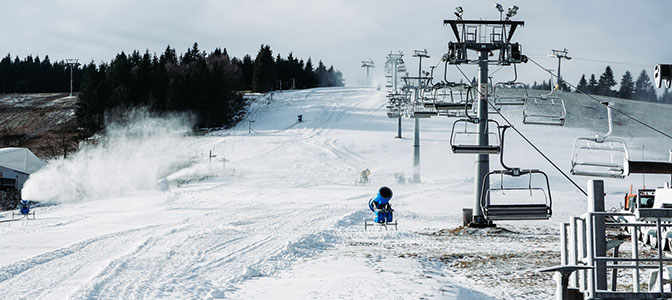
<point>580,245</point>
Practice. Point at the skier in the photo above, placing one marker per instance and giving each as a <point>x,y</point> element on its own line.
<point>380,205</point>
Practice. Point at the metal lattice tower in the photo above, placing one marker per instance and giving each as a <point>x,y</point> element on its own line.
<point>71,62</point>
<point>560,54</point>
<point>483,37</point>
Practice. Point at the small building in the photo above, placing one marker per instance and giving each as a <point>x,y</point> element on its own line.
<point>16,164</point>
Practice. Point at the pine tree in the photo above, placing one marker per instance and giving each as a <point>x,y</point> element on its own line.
<point>666,97</point>
<point>606,82</point>
<point>644,90</point>
<point>627,87</point>
<point>583,84</point>
<point>264,71</point>
<point>309,77</point>
<point>592,85</point>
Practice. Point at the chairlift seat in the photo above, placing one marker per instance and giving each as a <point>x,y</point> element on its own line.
<point>393,114</point>
<point>476,149</point>
<point>494,146</point>
<point>518,212</point>
<point>452,106</point>
<point>423,114</point>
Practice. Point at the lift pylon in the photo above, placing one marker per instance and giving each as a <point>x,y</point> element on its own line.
<point>483,37</point>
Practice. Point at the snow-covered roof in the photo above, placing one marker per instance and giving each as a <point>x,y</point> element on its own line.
<point>20,159</point>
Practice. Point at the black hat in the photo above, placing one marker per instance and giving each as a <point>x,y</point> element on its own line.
<point>385,192</point>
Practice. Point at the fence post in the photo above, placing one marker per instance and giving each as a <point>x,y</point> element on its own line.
<point>596,204</point>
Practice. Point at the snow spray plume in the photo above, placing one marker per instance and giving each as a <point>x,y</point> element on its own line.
<point>132,155</point>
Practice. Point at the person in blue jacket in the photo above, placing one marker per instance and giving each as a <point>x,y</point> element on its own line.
<point>380,205</point>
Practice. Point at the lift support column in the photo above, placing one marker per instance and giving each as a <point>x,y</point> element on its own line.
<point>482,160</point>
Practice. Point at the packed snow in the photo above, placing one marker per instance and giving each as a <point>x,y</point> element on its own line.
<point>272,209</point>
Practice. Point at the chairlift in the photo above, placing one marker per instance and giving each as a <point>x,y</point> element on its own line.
<point>465,132</point>
<point>515,194</point>
<point>510,92</point>
<point>454,100</point>
<point>547,109</point>
<point>600,156</point>
<point>395,105</point>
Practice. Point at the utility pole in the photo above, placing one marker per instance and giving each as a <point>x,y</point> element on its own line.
<point>368,64</point>
<point>420,54</point>
<point>560,54</point>
<point>71,62</point>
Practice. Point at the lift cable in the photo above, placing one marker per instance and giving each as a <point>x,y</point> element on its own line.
<point>600,102</point>
<point>527,140</point>
<point>598,60</point>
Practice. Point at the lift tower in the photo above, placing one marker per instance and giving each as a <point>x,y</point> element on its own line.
<point>368,64</point>
<point>71,62</point>
<point>560,54</point>
<point>394,66</point>
<point>484,37</point>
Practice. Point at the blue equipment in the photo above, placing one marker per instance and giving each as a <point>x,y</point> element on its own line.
<point>24,210</point>
<point>382,209</point>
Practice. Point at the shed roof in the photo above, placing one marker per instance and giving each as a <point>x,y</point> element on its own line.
<point>20,159</point>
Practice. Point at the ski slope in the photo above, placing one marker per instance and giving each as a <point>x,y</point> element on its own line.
<point>277,213</point>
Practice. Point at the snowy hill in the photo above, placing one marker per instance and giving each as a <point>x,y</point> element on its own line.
<point>278,214</point>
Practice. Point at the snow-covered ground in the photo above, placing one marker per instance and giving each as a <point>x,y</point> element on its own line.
<point>277,214</point>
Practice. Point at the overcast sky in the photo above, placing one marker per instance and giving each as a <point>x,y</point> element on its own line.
<point>341,32</point>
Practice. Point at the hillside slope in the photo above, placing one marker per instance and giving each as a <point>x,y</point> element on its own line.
<point>45,123</point>
<point>277,212</point>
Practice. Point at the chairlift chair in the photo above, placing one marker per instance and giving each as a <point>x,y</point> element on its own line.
<point>506,201</point>
<point>454,101</point>
<point>510,203</point>
<point>468,128</point>
<point>510,92</point>
<point>600,156</point>
<point>549,110</point>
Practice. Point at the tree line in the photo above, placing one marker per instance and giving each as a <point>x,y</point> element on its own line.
<point>210,85</point>
<point>641,89</point>
<point>35,75</point>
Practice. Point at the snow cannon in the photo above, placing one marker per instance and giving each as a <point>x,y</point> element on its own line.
<point>380,206</point>
<point>24,210</point>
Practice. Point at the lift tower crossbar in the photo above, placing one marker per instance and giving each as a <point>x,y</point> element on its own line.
<point>484,37</point>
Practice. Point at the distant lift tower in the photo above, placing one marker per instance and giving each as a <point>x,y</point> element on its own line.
<point>71,62</point>
<point>368,64</point>
<point>420,54</point>
<point>395,65</point>
<point>484,37</point>
<point>560,54</point>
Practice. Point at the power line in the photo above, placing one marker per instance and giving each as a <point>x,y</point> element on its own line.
<point>600,102</point>
<point>527,140</point>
